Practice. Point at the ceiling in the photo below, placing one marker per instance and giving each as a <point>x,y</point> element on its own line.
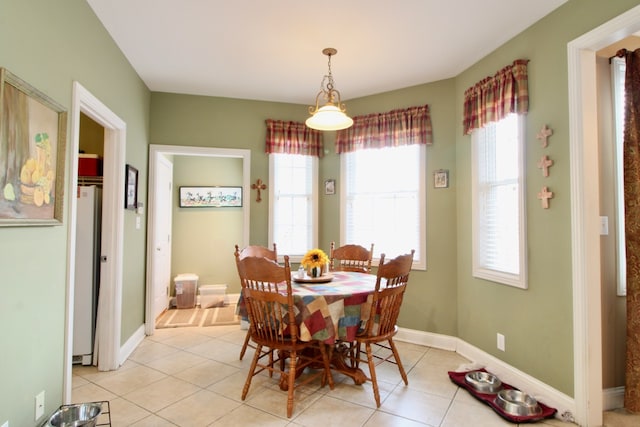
<point>272,49</point>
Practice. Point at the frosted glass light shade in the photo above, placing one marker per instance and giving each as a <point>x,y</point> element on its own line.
<point>329,117</point>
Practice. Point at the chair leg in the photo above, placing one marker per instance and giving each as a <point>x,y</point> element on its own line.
<point>327,366</point>
<point>252,369</point>
<point>353,354</point>
<point>292,379</point>
<point>372,373</point>
<point>246,344</point>
<point>396,356</point>
<point>271,363</point>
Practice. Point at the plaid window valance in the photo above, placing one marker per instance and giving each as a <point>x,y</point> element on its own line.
<point>493,98</point>
<point>391,129</point>
<point>293,138</point>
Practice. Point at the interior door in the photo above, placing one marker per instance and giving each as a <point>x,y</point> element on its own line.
<point>161,269</point>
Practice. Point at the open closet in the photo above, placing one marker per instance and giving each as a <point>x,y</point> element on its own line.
<point>88,239</point>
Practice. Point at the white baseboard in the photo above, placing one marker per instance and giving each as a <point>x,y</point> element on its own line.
<point>131,344</point>
<point>613,398</point>
<point>507,373</point>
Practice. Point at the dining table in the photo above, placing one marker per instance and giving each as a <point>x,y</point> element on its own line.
<point>331,309</point>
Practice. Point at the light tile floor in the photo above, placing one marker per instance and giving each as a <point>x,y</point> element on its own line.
<point>193,377</point>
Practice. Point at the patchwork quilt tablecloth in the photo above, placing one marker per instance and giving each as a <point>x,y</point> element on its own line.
<point>333,310</point>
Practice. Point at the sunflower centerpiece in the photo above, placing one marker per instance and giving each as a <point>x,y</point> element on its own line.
<point>315,261</point>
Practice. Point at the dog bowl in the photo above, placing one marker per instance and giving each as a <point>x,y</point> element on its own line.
<point>483,382</point>
<point>515,402</point>
<point>83,414</point>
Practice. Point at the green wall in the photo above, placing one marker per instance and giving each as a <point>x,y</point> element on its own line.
<point>49,45</point>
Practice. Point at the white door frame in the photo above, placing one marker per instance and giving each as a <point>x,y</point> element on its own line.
<point>175,150</point>
<point>108,337</point>
<point>585,212</point>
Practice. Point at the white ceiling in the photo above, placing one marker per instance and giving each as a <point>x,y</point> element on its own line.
<point>272,49</point>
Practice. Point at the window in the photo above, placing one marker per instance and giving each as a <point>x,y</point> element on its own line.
<point>618,69</point>
<point>499,232</point>
<point>293,203</point>
<point>384,200</point>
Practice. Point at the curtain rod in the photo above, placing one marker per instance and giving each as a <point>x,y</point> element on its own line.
<point>621,53</point>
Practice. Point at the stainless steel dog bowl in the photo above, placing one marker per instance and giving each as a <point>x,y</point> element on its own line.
<point>515,402</point>
<point>483,382</point>
<point>80,415</point>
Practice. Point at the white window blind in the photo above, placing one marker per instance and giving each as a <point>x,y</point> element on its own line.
<point>293,203</point>
<point>383,195</point>
<point>498,201</point>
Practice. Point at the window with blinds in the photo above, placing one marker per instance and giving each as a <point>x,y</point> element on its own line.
<point>293,202</point>
<point>499,232</point>
<point>384,200</point>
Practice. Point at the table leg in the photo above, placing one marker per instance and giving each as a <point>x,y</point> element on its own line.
<point>339,360</point>
<point>339,355</point>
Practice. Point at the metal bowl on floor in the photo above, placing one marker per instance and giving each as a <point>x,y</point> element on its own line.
<point>80,415</point>
<point>483,382</point>
<point>515,402</point>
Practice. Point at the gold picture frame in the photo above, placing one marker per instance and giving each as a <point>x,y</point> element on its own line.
<point>33,134</point>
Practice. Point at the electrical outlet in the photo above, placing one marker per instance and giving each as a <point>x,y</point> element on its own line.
<point>501,342</point>
<point>39,405</point>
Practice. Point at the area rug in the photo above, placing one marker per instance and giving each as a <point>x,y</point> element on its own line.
<point>190,317</point>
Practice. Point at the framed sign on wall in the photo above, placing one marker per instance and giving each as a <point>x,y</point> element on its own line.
<point>210,197</point>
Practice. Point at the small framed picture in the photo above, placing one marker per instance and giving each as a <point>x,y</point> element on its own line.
<point>441,178</point>
<point>330,186</point>
<point>131,188</point>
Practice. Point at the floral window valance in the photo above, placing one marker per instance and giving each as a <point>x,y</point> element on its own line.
<point>394,128</point>
<point>493,98</point>
<point>293,138</point>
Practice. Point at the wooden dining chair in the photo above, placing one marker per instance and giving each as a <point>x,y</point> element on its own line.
<point>391,283</point>
<point>350,258</point>
<point>272,323</point>
<point>259,251</point>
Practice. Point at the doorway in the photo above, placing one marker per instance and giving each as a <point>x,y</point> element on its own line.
<point>109,310</point>
<point>88,232</point>
<point>156,232</point>
<point>585,215</point>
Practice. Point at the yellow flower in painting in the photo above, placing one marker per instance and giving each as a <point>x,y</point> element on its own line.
<point>314,258</point>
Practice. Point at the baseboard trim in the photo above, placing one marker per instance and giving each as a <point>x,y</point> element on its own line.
<point>613,398</point>
<point>544,393</point>
<point>132,343</point>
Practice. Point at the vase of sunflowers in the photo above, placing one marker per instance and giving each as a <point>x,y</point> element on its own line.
<point>315,262</point>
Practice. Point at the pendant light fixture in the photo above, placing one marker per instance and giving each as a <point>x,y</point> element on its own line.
<point>332,115</point>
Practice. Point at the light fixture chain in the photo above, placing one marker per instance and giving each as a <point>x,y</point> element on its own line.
<point>329,76</point>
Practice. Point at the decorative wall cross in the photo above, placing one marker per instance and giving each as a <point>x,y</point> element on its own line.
<point>544,195</point>
<point>259,185</point>
<point>544,163</point>
<point>544,135</point>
